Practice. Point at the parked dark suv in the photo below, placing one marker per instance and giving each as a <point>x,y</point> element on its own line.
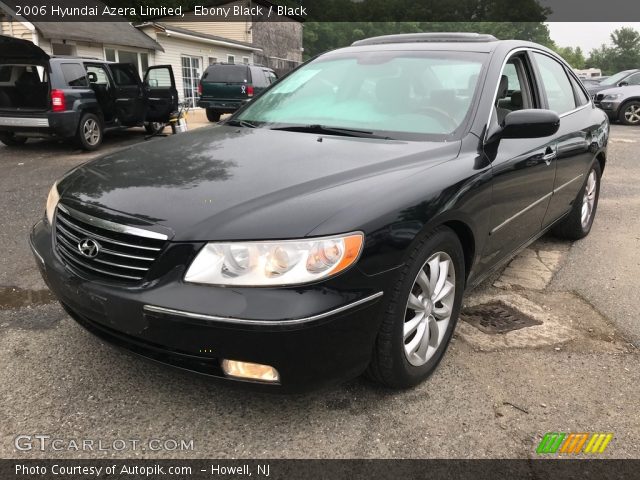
<point>225,87</point>
<point>76,98</point>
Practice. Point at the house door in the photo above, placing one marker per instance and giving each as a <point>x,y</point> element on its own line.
<point>190,79</point>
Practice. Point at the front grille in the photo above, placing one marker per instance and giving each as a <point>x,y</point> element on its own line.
<point>111,251</point>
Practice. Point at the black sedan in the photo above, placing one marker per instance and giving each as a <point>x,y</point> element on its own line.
<point>332,225</point>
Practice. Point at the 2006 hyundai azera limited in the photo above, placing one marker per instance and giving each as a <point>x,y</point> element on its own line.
<point>332,225</point>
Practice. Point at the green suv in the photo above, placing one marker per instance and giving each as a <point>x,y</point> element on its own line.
<point>225,87</point>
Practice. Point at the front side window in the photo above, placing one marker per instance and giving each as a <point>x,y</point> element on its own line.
<point>614,79</point>
<point>397,93</point>
<point>633,79</point>
<point>555,82</point>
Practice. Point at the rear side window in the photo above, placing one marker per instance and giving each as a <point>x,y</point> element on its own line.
<point>581,97</point>
<point>5,73</point>
<point>74,75</point>
<point>556,84</point>
<point>227,74</point>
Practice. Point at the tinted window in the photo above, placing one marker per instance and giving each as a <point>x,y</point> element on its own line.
<point>401,92</point>
<point>5,73</point>
<point>581,97</point>
<point>74,75</point>
<point>556,84</point>
<point>633,79</point>
<point>124,75</point>
<point>227,74</point>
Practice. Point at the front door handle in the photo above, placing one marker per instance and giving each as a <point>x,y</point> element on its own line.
<point>549,154</point>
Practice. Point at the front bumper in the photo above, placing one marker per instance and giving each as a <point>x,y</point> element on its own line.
<point>221,105</point>
<point>313,335</point>
<point>610,108</point>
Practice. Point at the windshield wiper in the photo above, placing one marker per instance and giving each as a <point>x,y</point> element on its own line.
<point>317,128</point>
<point>240,123</point>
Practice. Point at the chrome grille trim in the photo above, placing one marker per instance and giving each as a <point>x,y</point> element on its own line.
<point>115,227</point>
<point>122,256</point>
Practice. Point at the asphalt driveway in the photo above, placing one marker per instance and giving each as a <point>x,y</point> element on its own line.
<point>489,398</point>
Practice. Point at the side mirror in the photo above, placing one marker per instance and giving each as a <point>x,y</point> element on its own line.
<point>93,77</point>
<point>532,123</point>
<point>623,84</point>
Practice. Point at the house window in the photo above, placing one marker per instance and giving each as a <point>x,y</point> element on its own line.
<point>213,60</point>
<point>140,60</point>
<point>231,59</point>
<point>110,55</point>
<point>63,49</point>
<point>245,60</point>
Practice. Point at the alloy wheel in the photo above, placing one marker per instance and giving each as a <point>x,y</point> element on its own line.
<point>632,114</point>
<point>588,199</point>
<point>429,309</point>
<point>91,131</point>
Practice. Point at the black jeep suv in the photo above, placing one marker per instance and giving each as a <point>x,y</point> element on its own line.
<point>76,98</point>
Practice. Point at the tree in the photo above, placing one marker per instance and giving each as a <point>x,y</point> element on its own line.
<point>623,55</point>
<point>573,56</point>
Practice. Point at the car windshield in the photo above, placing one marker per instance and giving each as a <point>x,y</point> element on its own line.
<point>395,94</point>
<point>614,79</point>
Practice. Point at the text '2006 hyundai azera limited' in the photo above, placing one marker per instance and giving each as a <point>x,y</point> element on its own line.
<point>331,226</point>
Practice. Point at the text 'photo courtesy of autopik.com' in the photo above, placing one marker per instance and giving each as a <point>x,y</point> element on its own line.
<point>319,239</point>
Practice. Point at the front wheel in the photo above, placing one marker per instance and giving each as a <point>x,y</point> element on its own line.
<point>421,312</point>
<point>630,113</point>
<point>213,116</point>
<point>90,132</point>
<point>578,223</point>
<point>10,140</point>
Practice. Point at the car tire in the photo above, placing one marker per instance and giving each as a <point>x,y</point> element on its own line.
<point>213,116</point>
<point>578,223</point>
<point>10,140</point>
<point>90,132</point>
<point>630,113</point>
<point>154,127</point>
<point>392,362</point>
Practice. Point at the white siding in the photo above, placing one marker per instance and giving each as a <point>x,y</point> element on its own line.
<point>238,31</point>
<point>175,48</point>
<point>14,28</point>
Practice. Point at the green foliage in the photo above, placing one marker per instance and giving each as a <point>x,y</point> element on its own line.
<point>322,36</point>
<point>624,54</point>
<point>573,56</point>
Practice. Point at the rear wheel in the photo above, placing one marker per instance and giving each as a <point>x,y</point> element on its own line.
<point>578,223</point>
<point>90,132</point>
<point>10,139</point>
<point>154,127</point>
<point>630,113</point>
<point>421,312</point>
<point>213,116</point>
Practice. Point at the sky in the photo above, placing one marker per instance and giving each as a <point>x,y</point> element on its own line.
<point>587,35</point>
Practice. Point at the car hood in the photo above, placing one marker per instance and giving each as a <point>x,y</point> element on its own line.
<point>223,183</point>
<point>625,91</point>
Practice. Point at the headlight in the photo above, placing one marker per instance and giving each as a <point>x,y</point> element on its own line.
<point>613,96</point>
<point>286,262</point>
<point>52,202</point>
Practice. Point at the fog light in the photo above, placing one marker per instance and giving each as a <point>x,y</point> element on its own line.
<point>251,371</point>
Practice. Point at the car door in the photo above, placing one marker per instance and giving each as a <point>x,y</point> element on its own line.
<point>130,98</point>
<point>523,169</point>
<point>563,95</point>
<point>162,95</point>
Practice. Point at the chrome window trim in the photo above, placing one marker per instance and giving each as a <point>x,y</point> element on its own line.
<point>114,227</point>
<point>504,64</point>
<point>264,323</point>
